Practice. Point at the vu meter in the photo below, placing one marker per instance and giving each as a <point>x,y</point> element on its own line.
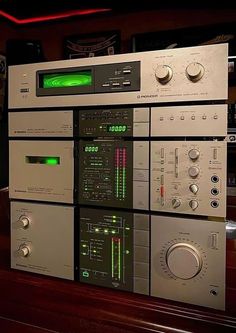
<point>114,249</point>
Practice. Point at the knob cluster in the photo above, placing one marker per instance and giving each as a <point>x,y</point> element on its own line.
<point>194,72</point>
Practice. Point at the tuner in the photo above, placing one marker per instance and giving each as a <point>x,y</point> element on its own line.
<point>163,74</point>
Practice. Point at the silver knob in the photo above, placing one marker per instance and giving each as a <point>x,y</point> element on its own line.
<point>176,203</point>
<point>193,188</point>
<point>193,204</point>
<point>195,71</point>
<point>23,251</point>
<point>193,154</point>
<point>193,171</point>
<point>23,222</point>
<point>184,261</point>
<point>163,74</point>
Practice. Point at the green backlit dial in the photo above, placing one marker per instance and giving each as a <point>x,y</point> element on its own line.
<point>62,80</point>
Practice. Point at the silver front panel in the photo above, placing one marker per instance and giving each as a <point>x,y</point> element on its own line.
<point>188,260</point>
<point>189,177</point>
<point>42,239</point>
<point>189,120</point>
<point>185,74</point>
<point>41,124</point>
<point>33,178</point>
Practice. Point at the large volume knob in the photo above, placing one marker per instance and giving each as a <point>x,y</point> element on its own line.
<point>194,71</point>
<point>176,203</point>
<point>23,251</point>
<point>163,74</point>
<point>193,188</point>
<point>193,171</point>
<point>193,154</point>
<point>193,204</point>
<point>184,261</point>
<point>23,222</point>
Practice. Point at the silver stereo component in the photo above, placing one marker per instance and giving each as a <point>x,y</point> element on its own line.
<point>187,74</point>
<point>189,177</point>
<point>189,120</point>
<point>41,124</point>
<point>188,260</point>
<point>42,239</point>
<point>41,170</point>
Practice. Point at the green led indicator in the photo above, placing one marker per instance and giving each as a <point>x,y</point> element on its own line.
<point>114,217</point>
<point>52,161</point>
<point>127,251</point>
<point>113,232</point>
<point>112,258</point>
<point>96,229</point>
<point>83,245</point>
<point>85,274</point>
<point>117,128</point>
<point>106,231</point>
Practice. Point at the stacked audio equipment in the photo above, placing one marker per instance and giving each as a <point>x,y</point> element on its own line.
<point>118,171</point>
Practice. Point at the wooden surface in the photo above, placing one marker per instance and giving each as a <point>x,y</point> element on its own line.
<point>34,303</point>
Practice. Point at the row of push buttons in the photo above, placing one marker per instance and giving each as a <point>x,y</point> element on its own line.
<point>204,117</point>
<point>116,84</point>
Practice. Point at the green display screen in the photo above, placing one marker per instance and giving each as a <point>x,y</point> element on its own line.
<point>117,128</point>
<point>63,80</point>
<point>91,149</point>
<point>49,160</point>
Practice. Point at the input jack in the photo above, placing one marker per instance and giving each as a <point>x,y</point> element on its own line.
<point>214,191</point>
<point>214,179</point>
<point>214,204</point>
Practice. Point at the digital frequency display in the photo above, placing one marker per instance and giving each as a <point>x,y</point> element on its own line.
<point>63,80</point>
<point>117,128</point>
<point>49,160</point>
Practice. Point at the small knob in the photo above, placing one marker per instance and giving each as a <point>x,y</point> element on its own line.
<point>163,74</point>
<point>183,260</point>
<point>23,251</point>
<point>193,154</point>
<point>194,71</point>
<point>193,204</point>
<point>193,188</point>
<point>23,222</point>
<point>193,171</point>
<point>176,203</point>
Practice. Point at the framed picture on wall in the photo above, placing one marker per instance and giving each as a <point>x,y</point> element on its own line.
<point>92,45</point>
<point>202,35</point>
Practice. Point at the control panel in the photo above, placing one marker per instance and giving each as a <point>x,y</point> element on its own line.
<point>189,120</point>
<point>122,122</point>
<point>114,249</point>
<point>42,239</point>
<point>188,260</point>
<point>114,173</point>
<point>44,172</point>
<point>189,177</point>
<point>41,124</point>
<point>184,74</point>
